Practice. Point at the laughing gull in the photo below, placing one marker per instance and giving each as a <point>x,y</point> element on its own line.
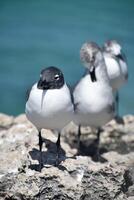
<point>93,96</point>
<point>49,105</point>
<point>116,65</point>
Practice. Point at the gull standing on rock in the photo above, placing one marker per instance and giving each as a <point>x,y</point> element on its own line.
<point>93,96</point>
<point>49,105</point>
<point>116,65</point>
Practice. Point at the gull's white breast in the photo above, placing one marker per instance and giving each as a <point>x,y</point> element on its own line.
<point>50,109</point>
<point>115,72</point>
<point>94,101</point>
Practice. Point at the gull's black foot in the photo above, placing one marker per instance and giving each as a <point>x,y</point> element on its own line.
<point>57,161</point>
<point>119,120</point>
<point>97,141</point>
<point>40,148</point>
<point>40,162</point>
<point>98,158</point>
<point>78,141</point>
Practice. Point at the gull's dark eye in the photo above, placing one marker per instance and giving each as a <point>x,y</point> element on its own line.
<point>56,77</point>
<point>93,58</point>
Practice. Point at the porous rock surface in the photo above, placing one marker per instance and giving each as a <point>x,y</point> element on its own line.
<point>77,177</point>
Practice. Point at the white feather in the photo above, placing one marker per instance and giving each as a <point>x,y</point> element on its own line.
<point>116,69</point>
<point>49,109</point>
<point>93,99</point>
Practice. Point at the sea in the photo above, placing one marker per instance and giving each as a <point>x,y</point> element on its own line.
<point>39,33</point>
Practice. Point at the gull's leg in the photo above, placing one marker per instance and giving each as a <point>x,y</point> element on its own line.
<point>98,144</point>
<point>118,119</point>
<point>58,146</point>
<point>117,103</point>
<point>79,135</point>
<point>40,149</point>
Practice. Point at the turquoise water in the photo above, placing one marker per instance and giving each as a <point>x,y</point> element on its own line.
<point>40,33</point>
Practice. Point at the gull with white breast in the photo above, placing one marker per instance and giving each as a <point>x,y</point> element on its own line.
<point>49,105</point>
<point>116,65</point>
<point>93,96</point>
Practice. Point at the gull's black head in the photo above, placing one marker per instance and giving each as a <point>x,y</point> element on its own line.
<point>50,78</point>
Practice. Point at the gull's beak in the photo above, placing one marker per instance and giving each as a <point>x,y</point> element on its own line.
<point>40,84</point>
<point>93,74</point>
<point>43,85</point>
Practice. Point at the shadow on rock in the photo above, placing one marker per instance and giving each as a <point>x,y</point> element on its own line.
<point>88,148</point>
<point>48,156</point>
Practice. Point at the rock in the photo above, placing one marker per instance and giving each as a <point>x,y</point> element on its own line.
<point>6,121</point>
<point>115,158</point>
<point>76,177</point>
<point>21,119</point>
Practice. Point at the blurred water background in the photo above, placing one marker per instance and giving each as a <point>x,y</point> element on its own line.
<point>39,33</point>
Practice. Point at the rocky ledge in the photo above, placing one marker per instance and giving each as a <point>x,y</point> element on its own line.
<point>76,177</point>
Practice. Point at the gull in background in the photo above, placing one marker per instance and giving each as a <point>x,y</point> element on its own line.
<point>49,105</point>
<point>93,96</point>
<point>117,69</point>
